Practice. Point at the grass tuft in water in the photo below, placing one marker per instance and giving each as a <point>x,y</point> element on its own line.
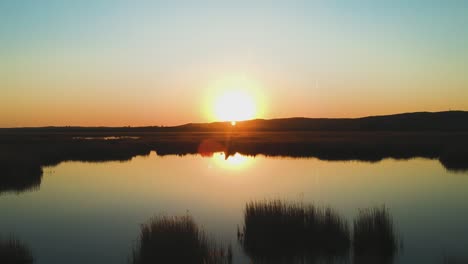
<point>177,240</point>
<point>13,251</point>
<point>284,230</point>
<point>374,234</point>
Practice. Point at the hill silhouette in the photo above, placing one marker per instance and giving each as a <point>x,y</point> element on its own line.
<point>418,121</point>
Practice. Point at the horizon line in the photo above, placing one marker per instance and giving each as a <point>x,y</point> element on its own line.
<point>237,121</point>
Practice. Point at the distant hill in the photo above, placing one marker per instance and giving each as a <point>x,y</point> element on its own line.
<point>419,121</point>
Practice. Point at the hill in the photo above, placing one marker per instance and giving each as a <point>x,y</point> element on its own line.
<point>419,121</point>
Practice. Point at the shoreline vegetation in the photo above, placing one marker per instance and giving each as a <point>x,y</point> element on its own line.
<point>24,151</point>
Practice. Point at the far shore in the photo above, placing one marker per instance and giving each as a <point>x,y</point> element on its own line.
<point>24,153</point>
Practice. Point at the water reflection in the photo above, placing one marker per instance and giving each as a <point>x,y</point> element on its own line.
<point>236,161</point>
<point>106,202</point>
<point>30,152</point>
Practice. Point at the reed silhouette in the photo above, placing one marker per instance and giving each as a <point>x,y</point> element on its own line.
<point>282,232</point>
<point>19,176</point>
<point>13,251</point>
<point>276,231</point>
<point>374,239</point>
<point>177,240</point>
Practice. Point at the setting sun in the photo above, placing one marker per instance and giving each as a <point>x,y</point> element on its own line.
<point>233,98</point>
<point>234,105</point>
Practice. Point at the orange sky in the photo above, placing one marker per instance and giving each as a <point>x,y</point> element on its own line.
<point>115,64</point>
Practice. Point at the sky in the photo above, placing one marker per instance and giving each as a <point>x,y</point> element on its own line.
<point>119,63</point>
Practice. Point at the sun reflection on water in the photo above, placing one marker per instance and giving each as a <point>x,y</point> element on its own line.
<point>236,161</point>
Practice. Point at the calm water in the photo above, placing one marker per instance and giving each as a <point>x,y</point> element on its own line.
<point>91,212</point>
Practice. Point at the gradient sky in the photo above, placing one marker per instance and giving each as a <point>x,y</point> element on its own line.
<point>137,63</point>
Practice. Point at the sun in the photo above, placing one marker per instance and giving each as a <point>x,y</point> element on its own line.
<point>234,98</point>
<point>234,105</point>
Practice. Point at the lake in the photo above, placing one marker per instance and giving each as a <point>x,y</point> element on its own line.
<point>87,212</point>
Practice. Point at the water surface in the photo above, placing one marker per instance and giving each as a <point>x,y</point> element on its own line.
<point>91,212</point>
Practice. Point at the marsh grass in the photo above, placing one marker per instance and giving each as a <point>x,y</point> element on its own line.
<point>16,176</point>
<point>374,234</point>
<point>275,230</point>
<point>177,240</point>
<point>12,251</point>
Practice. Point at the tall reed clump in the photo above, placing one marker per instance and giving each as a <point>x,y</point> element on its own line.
<point>12,251</point>
<point>374,234</point>
<point>276,229</point>
<point>177,240</point>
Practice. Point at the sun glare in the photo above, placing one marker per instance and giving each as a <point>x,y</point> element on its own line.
<point>233,99</point>
<point>234,162</point>
<point>234,105</point>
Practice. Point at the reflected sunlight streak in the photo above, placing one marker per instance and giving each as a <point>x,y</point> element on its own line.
<point>236,161</point>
